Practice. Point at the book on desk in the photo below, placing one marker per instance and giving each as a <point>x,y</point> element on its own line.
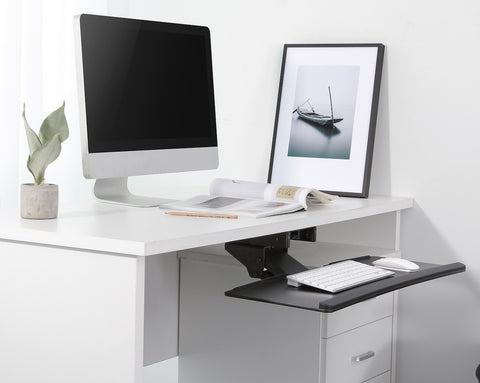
<point>251,199</point>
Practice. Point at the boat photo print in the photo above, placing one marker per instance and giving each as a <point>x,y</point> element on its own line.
<point>314,117</point>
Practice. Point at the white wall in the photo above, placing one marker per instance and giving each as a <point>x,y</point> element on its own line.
<point>426,142</point>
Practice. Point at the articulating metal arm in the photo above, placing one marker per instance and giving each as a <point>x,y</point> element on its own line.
<point>268,255</point>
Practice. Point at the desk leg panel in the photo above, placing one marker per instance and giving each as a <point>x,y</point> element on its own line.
<point>161,308</point>
<point>70,316</point>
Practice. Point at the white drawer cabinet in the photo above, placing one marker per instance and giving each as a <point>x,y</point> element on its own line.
<point>258,342</point>
<point>359,354</point>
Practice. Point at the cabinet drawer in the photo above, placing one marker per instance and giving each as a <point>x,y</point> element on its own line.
<point>357,315</point>
<point>384,378</point>
<point>360,354</point>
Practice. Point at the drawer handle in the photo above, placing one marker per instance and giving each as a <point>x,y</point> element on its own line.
<point>365,356</point>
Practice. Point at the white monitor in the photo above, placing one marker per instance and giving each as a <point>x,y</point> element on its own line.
<point>146,102</point>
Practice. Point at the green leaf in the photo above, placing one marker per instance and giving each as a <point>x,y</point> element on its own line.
<point>32,138</point>
<point>39,160</point>
<point>46,146</point>
<point>55,123</point>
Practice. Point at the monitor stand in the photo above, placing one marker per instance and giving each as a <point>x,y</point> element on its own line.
<point>115,190</point>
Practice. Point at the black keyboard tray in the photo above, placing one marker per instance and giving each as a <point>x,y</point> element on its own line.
<point>275,289</point>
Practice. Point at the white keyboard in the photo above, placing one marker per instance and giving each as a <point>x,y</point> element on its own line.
<point>338,276</point>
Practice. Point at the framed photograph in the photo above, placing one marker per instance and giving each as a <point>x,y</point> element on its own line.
<point>326,116</point>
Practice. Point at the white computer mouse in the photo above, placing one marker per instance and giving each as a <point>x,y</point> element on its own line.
<point>397,264</point>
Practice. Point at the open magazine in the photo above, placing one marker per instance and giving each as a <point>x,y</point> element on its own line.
<point>251,199</point>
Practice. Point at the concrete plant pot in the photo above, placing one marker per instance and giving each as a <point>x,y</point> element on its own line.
<point>39,201</point>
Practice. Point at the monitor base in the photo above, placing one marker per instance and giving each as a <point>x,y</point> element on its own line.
<point>115,190</point>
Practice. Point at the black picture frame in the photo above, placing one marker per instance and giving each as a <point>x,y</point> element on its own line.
<point>326,117</point>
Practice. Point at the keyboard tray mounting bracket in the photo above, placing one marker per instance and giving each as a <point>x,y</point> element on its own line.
<point>267,256</point>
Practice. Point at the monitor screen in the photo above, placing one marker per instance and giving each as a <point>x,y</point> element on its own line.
<point>146,97</point>
<point>148,85</point>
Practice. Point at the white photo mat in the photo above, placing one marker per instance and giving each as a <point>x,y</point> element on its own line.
<point>335,158</point>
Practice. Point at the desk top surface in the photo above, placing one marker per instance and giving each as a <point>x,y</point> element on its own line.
<point>148,231</point>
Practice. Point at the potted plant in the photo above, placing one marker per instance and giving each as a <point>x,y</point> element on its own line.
<point>39,200</point>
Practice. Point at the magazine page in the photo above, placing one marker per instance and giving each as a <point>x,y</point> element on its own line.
<point>237,189</point>
<point>299,194</point>
<point>231,205</point>
<point>252,199</point>
<point>316,197</point>
<point>268,192</point>
<point>286,194</point>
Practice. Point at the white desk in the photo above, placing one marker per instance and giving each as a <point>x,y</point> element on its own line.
<point>93,295</point>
